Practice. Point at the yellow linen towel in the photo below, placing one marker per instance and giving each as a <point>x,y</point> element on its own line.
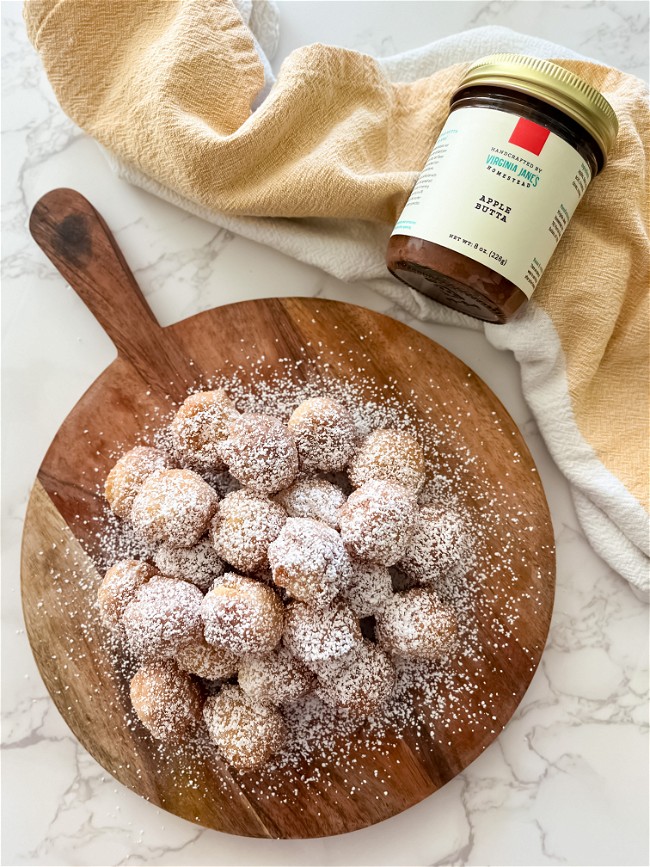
<point>168,86</point>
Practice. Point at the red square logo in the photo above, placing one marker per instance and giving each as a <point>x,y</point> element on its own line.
<point>529,136</point>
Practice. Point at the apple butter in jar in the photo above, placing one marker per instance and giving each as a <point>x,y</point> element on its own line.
<point>522,142</point>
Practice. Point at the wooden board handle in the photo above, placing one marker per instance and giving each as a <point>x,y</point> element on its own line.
<point>73,235</point>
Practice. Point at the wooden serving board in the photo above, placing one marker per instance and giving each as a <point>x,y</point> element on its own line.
<point>154,368</point>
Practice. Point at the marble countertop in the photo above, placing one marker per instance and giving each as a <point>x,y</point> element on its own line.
<point>567,781</point>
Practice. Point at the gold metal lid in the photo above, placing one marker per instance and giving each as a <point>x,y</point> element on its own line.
<point>552,84</point>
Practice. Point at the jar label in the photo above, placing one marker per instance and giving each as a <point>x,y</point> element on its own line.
<point>498,188</point>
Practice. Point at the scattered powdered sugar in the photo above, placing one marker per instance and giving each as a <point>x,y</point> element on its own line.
<point>319,499</point>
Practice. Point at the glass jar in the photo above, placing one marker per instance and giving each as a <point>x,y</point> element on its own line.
<point>523,140</point>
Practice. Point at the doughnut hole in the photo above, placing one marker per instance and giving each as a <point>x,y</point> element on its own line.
<point>368,589</point>
<point>377,522</point>
<point>246,733</point>
<point>325,435</point>
<point>200,564</point>
<point>166,701</point>
<point>207,661</point>
<point>243,527</point>
<point>163,616</point>
<point>260,452</point>
<point>242,615</point>
<point>308,559</point>
<point>201,426</point>
<point>274,678</point>
<point>119,586</point>
<point>174,508</point>
<point>417,624</point>
<point>313,635</point>
<point>313,498</point>
<point>391,456</point>
<point>440,545</point>
<point>129,474</point>
<point>360,683</point>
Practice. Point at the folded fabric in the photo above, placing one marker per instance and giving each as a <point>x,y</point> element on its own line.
<point>319,164</point>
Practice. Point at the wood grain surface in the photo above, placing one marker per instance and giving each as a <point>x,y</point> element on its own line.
<point>153,370</point>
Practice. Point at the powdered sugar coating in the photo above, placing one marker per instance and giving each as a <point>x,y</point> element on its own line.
<point>166,700</point>
<point>274,678</point>
<point>242,615</point>
<point>391,455</point>
<point>309,560</point>
<point>315,634</point>
<point>440,544</point>
<point>247,733</point>
<point>313,498</point>
<point>163,616</point>
<point>199,565</point>
<point>377,522</point>
<point>119,587</point>
<point>417,624</point>
<point>200,427</point>
<point>243,527</point>
<point>206,660</point>
<point>325,434</point>
<point>260,453</point>
<point>127,477</point>
<point>174,507</point>
<point>368,589</point>
<point>361,682</point>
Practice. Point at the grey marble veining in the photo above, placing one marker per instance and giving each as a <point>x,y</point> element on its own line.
<point>566,782</point>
